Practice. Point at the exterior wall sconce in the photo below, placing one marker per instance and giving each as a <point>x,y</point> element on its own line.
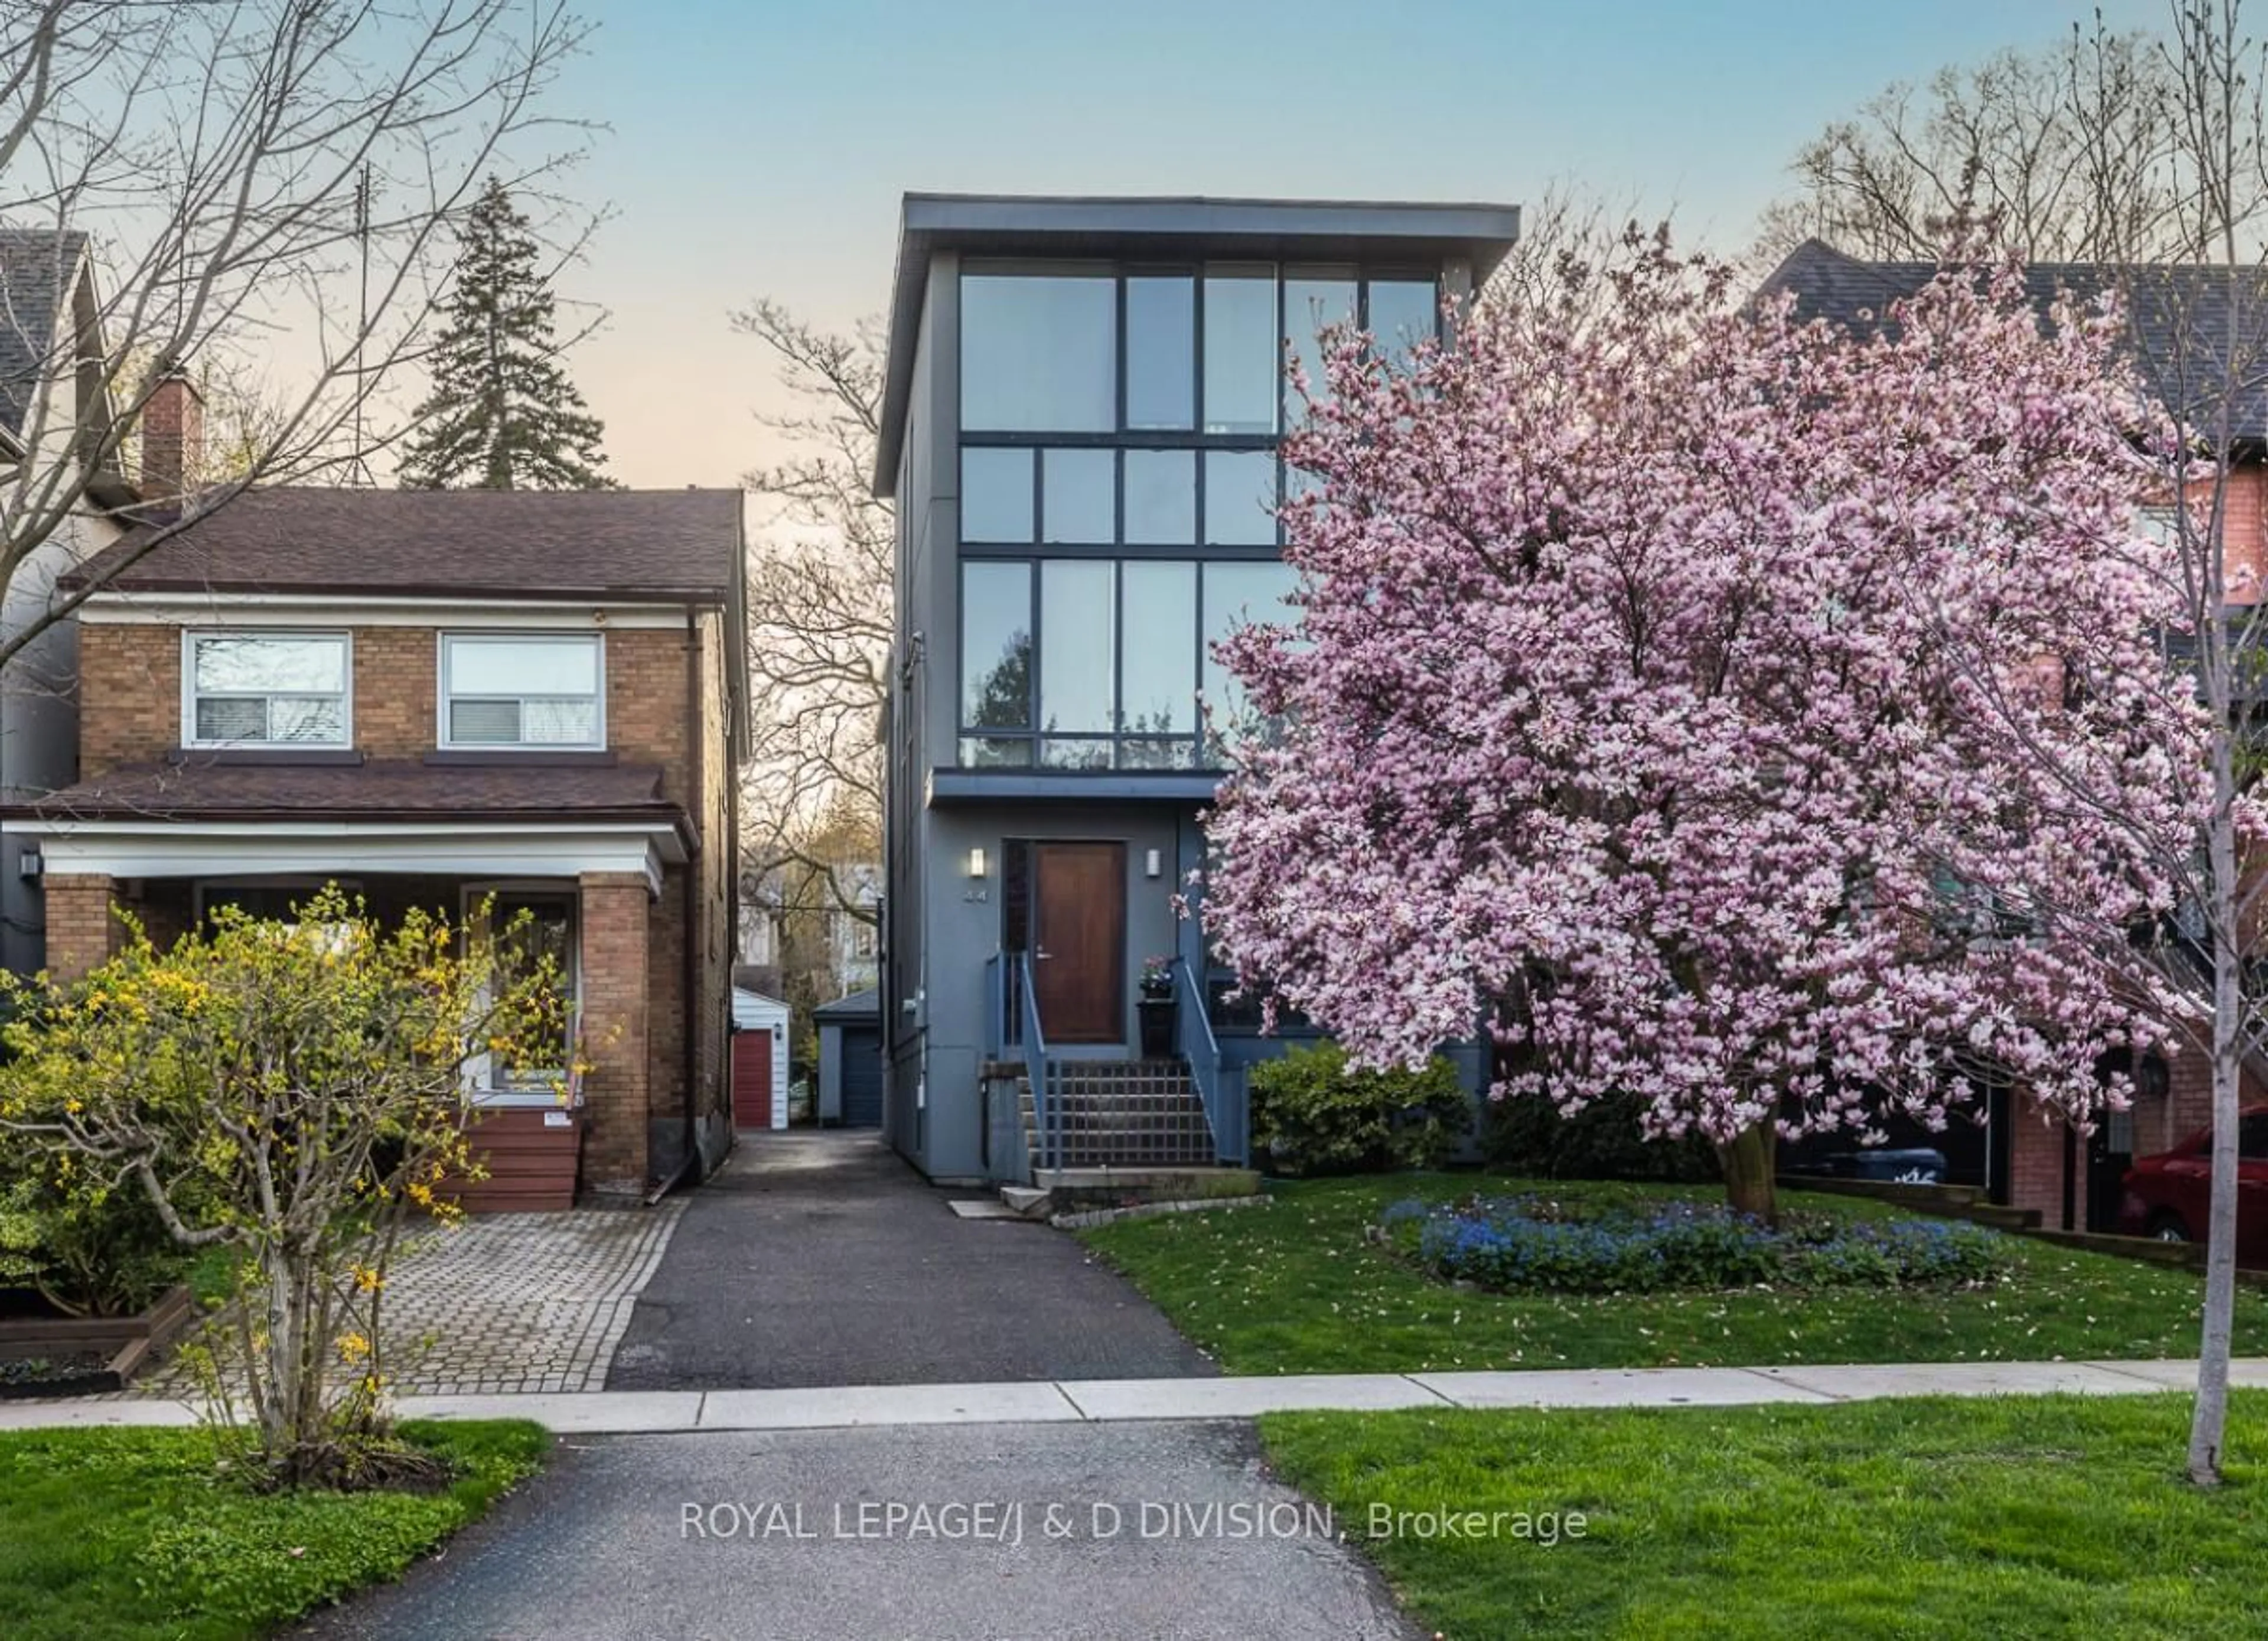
<point>976,861</point>
<point>1153,865</point>
<point>28,864</point>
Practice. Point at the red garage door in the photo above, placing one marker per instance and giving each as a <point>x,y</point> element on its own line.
<point>752,1080</point>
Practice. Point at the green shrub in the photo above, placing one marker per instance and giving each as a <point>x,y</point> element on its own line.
<point>89,1247</point>
<point>1313,1112</point>
<point>1605,1140</point>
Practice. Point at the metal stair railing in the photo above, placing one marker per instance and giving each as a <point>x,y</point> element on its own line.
<point>1221,1089</point>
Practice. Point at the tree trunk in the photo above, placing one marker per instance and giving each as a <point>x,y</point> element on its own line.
<point>2209,1420</point>
<point>1748,1159</point>
<point>291,1370</point>
<point>278,1363</point>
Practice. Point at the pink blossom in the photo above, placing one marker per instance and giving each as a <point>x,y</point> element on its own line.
<point>1701,704</point>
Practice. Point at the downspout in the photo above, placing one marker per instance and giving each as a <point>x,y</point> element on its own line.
<point>689,1002</point>
<point>735,647</point>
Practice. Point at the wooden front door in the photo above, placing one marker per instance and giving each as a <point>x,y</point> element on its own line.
<point>1078,940</point>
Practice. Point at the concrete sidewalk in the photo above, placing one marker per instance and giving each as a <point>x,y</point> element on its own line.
<point>1117,1401</point>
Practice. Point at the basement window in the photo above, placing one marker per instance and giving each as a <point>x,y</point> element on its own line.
<point>538,691</point>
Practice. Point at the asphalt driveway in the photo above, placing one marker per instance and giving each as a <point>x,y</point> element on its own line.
<point>821,1258</point>
<point>746,1537</point>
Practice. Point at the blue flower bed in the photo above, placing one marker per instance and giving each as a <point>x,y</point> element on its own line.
<point>1526,1243</point>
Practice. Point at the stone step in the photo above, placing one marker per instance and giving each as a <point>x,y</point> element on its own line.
<point>1076,1156</point>
<point>1123,1122</point>
<point>1075,1186</point>
<point>1119,1117</point>
<point>1120,1100</point>
<point>1027,1200</point>
<point>1105,1070</point>
<point>1123,1115</point>
<point>1079,1095</point>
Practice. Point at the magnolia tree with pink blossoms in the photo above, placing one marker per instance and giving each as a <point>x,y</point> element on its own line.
<point>1719,709</point>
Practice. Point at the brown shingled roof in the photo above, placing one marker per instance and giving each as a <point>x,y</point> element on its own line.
<point>672,546</point>
<point>2182,319</point>
<point>194,788</point>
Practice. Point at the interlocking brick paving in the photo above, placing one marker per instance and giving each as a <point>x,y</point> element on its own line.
<point>507,1302</point>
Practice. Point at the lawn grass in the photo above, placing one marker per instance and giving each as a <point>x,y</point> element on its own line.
<point>130,1535</point>
<point>2036,1517</point>
<point>1297,1287</point>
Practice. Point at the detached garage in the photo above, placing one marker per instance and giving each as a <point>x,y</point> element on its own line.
<point>759,1061</point>
<point>851,1061</point>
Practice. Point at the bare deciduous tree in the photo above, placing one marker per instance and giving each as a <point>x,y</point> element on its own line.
<point>2073,151</point>
<point>238,173</point>
<point>2219,162</point>
<point>2146,159</point>
<point>819,607</point>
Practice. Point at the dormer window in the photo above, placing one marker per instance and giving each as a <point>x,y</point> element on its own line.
<point>265,689</point>
<point>537,691</point>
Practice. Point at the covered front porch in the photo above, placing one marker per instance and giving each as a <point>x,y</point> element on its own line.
<point>589,892</point>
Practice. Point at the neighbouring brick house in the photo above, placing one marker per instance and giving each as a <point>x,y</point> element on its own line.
<point>434,697</point>
<point>2178,316</point>
<point>55,403</point>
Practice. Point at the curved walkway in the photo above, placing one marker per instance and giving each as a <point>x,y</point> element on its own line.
<point>822,1259</point>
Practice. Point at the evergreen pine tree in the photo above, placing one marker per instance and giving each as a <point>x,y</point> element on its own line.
<point>502,414</point>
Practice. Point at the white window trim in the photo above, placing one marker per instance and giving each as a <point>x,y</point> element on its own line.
<point>441,694</point>
<point>480,1089</point>
<point>191,636</point>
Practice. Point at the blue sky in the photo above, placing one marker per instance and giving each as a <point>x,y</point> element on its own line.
<point>760,147</point>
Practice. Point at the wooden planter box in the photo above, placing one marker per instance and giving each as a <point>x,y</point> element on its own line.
<point>128,1341</point>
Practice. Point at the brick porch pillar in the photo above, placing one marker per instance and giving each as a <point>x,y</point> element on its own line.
<point>82,934</point>
<point>613,998</point>
<point>2036,1164</point>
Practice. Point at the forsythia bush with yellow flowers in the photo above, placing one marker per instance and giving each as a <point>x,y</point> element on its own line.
<point>293,1093</point>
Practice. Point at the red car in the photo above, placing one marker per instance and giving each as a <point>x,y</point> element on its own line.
<point>2166,1194</point>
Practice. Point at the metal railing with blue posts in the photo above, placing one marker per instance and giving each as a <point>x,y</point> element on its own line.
<point>1047,1114</point>
<point>1221,1089</point>
<point>1013,1031</point>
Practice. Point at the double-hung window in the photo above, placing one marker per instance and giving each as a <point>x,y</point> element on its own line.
<point>265,689</point>
<point>533,690</point>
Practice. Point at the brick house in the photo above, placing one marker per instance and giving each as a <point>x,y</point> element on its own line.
<point>2178,316</point>
<point>54,402</point>
<point>432,697</point>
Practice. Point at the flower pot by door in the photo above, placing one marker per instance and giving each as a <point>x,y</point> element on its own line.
<point>1157,1016</point>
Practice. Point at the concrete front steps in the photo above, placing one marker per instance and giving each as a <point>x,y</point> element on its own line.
<point>1128,1132</point>
<point>1120,1114</point>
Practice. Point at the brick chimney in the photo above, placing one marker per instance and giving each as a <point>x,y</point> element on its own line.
<point>173,437</point>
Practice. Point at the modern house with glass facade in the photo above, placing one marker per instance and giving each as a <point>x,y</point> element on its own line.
<point>1083,400</point>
